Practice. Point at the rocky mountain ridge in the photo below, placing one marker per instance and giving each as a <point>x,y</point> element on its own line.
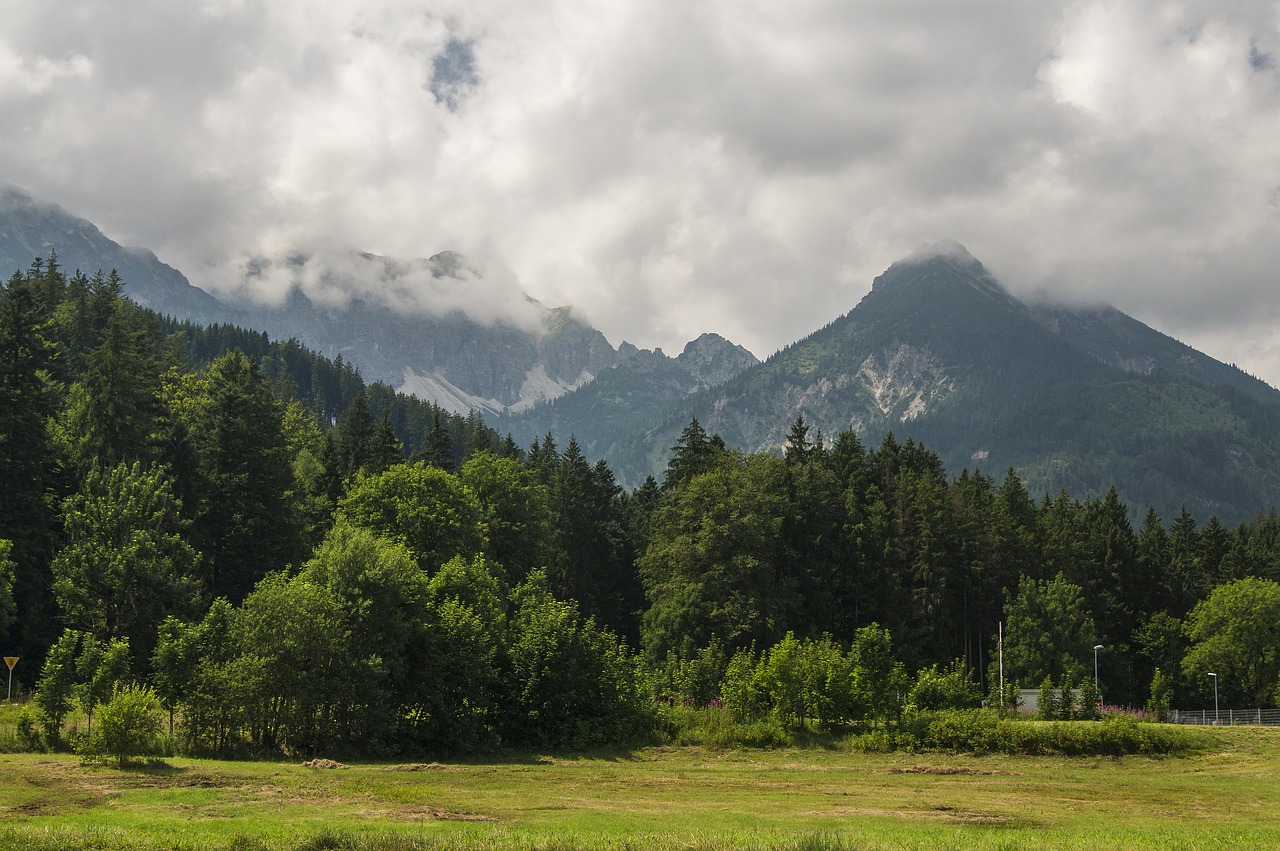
<point>391,331</point>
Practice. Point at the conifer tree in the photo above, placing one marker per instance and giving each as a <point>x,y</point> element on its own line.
<point>246,526</point>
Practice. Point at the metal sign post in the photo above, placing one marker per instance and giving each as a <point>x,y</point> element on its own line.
<point>10,661</point>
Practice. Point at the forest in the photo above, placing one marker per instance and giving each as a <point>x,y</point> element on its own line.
<point>289,560</point>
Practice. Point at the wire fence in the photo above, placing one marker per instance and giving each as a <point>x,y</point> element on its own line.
<point>1226,717</point>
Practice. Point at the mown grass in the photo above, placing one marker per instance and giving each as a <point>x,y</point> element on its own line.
<point>1227,795</point>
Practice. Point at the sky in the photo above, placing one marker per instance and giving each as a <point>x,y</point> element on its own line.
<point>672,167</point>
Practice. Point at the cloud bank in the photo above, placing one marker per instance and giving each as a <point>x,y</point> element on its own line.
<point>670,167</point>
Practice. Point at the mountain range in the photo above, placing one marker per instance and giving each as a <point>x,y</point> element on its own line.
<point>939,351</point>
<point>1074,398</point>
<point>441,355</point>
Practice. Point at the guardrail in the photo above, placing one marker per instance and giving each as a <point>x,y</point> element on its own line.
<point>1226,717</point>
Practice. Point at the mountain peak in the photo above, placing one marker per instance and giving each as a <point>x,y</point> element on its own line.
<point>945,260</point>
<point>947,249</point>
<point>714,360</point>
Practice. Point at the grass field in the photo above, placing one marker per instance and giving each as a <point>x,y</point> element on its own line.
<point>1227,796</point>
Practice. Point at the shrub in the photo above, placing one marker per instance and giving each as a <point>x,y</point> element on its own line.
<point>128,726</point>
<point>986,731</point>
<point>1046,701</point>
<point>28,730</point>
<point>716,727</point>
<point>1162,696</point>
<point>949,688</point>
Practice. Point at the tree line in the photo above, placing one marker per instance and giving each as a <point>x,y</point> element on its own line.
<point>294,560</point>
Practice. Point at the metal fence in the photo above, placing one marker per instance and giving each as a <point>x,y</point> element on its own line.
<point>1226,717</point>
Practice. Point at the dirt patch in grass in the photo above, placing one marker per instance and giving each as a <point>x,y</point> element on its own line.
<point>425,813</point>
<point>951,815</point>
<point>950,770</point>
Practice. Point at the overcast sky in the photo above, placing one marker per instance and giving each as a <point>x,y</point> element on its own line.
<point>676,166</point>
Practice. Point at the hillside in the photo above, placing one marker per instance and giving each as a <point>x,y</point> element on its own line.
<point>1074,398</point>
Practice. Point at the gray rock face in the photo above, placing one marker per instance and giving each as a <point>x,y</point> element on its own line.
<point>450,359</point>
<point>714,360</point>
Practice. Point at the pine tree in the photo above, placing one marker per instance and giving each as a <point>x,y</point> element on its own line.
<point>353,437</point>
<point>385,449</point>
<point>246,525</point>
<point>28,358</point>
<point>693,455</point>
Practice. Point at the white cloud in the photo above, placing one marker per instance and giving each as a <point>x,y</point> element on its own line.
<point>671,167</point>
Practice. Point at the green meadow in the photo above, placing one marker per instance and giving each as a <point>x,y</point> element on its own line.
<point>1227,794</point>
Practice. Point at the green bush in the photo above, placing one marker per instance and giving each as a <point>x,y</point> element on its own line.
<point>947,688</point>
<point>986,731</point>
<point>128,726</point>
<point>28,730</point>
<point>715,727</point>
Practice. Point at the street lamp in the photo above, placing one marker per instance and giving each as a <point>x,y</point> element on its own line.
<point>1215,698</point>
<point>1096,648</point>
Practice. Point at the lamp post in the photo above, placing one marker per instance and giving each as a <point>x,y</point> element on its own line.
<point>1215,697</point>
<point>1096,687</point>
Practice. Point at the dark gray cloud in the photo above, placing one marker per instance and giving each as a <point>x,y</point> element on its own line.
<point>745,167</point>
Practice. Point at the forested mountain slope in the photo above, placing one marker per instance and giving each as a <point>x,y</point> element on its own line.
<point>30,229</point>
<point>1072,398</point>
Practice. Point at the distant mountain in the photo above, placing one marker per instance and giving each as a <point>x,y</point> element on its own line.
<point>939,351</point>
<point>406,338</point>
<point>444,357</point>
<point>606,414</point>
<point>30,228</point>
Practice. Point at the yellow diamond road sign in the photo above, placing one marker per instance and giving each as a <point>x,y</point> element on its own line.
<point>11,661</point>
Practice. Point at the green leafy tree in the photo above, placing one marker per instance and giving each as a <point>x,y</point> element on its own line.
<point>101,667</point>
<point>694,454</point>
<point>438,452</point>
<point>292,644</point>
<point>743,699</point>
<point>515,511</point>
<point>383,600</point>
<point>427,509</point>
<point>1048,631</point>
<point>781,676</point>
<point>385,449</point>
<point>1066,698</point>
<point>588,549</point>
<point>1234,634</point>
<point>568,681</point>
<point>1090,710</point>
<point>713,565</point>
<point>125,566</point>
<point>832,684</point>
<point>122,406</point>
<point>56,688</point>
<point>467,632</point>
<point>1161,700</point>
<point>695,680</point>
<point>200,667</point>
<point>880,676</point>
<point>353,437</point>
<point>1047,700</point>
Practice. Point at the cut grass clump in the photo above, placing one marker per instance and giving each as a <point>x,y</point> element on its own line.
<point>983,731</point>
